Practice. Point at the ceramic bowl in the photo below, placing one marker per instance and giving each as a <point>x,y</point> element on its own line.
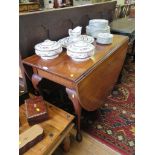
<point>48,49</point>
<point>80,51</point>
<point>49,54</point>
<point>104,38</point>
<point>49,57</point>
<point>80,55</point>
<point>80,47</point>
<point>102,23</point>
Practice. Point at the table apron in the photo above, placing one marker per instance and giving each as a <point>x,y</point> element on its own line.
<point>57,79</point>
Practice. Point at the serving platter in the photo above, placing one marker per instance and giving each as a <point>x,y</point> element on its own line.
<point>67,41</point>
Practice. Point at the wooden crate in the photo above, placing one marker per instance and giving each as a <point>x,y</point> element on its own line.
<point>56,128</point>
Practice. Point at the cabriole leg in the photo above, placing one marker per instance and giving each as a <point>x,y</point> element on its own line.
<point>77,107</point>
<point>35,81</point>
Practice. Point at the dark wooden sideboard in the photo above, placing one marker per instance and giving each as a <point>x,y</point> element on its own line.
<point>54,24</point>
<point>87,83</point>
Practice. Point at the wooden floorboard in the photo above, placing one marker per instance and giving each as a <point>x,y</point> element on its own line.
<point>88,146</point>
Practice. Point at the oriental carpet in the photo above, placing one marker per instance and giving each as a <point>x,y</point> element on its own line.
<point>114,122</point>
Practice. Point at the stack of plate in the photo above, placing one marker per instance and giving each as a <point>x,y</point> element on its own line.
<point>48,49</point>
<point>80,51</point>
<point>97,26</point>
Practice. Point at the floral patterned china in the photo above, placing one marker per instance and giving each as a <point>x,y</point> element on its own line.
<point>102,23</point>
<point>97,26</point>
<point>48,49</point>
<point>104,38</point>
<point>67,41</point>
<point>75,32</point>
<point>74,35</point>
<point>80,51</point>
<point>95,31</point>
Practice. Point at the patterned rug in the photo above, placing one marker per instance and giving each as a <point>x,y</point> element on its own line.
<point>114,123</point>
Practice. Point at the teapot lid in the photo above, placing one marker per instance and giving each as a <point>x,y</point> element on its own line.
<point>47,45</point>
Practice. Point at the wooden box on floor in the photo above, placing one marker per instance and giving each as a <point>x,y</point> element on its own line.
<point>56,130</point>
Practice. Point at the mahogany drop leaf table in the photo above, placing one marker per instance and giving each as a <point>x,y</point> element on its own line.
<point>87,83</point>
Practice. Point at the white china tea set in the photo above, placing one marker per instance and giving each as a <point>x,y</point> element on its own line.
<point>79,47</point>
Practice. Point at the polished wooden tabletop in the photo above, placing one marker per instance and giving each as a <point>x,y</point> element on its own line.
<point>66,68</point>
<point>123,25</point>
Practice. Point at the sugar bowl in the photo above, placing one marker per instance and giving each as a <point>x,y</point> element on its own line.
<point>80,51</point>
<point>104,38</point>
<point>48,49</point>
